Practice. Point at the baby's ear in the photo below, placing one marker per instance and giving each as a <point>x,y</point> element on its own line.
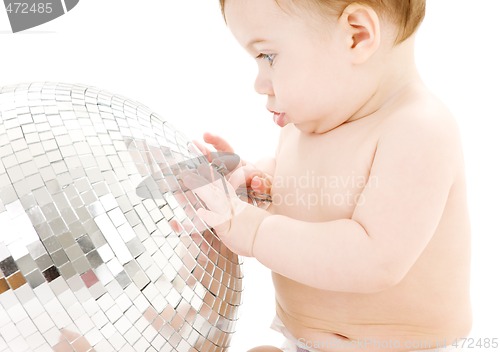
<point>362,27</point>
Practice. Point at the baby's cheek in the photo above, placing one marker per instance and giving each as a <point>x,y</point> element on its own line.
<point>291,95</point>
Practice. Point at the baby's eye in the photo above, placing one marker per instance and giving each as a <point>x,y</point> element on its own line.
<point>267,57</point>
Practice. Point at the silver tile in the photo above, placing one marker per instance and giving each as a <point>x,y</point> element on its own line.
<point>83,253</point>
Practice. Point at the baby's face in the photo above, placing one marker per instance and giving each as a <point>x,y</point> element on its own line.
<point>306,76</point>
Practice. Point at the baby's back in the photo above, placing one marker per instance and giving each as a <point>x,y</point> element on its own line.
<point>322,178</point>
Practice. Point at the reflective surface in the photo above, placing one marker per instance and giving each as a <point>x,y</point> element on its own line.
<point>100,247</point>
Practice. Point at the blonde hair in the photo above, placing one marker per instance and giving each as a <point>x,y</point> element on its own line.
<point>406,14</point>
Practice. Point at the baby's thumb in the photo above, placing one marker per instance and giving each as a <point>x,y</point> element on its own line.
<point>261,184</point>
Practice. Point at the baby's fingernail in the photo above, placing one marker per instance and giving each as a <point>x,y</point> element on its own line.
<point>256,182</point>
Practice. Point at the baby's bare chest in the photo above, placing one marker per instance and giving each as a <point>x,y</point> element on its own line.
<point>320,178</point>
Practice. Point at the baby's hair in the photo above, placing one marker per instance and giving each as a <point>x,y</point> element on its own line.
<point>406,14</point>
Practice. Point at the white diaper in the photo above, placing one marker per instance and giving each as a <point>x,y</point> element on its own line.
<point>291,344</point>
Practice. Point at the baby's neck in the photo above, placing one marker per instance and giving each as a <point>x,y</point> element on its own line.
<point>398,76</point>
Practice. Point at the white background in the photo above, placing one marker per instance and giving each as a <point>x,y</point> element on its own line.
<point>179,59</point>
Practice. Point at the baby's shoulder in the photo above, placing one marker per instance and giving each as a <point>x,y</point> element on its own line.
<point>424,130</point>
<point>421,118</point>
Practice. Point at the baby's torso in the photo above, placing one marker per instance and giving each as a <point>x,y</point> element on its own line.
<point>431,302</point>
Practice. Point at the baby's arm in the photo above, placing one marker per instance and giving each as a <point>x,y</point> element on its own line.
<point>412,172</point>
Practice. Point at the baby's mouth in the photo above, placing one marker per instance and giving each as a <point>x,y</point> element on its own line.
<point>280,118</point>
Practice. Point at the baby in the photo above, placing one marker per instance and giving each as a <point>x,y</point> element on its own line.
<point>368,234</point>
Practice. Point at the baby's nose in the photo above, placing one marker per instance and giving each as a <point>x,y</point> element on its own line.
<point>263,85</point>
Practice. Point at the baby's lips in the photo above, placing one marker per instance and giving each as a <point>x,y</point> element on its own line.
<point>280,119</point>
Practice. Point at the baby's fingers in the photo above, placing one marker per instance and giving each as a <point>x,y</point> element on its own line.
<point>220,223</point>
<point>262,184</point>
<point>225,162</point>
<point>212,194</point>
<point>203,149</point>
<point>219,143</point>
<point>251,178</point>
<point>243,175</point>
<point>192,180</point>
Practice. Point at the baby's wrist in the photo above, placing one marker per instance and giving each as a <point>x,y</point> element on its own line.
<point>244,227</point>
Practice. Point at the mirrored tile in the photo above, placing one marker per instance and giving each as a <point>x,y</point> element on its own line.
<point>96,252</point>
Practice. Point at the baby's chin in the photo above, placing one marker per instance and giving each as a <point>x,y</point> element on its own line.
<point>307,124</point>
<point>316,127</point>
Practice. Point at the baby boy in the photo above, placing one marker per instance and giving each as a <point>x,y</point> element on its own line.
<point>368,234</point>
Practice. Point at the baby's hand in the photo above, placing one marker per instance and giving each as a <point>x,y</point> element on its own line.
<point>218,143</point>
<point>253,184</point>
<point>248,181</point>
<point>235,222</point>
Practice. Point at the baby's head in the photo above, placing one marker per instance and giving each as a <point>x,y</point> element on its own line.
<point>326,62</point>
<point>406,15</point>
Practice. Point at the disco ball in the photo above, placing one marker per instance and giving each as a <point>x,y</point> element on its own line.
<point>100,245</point>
